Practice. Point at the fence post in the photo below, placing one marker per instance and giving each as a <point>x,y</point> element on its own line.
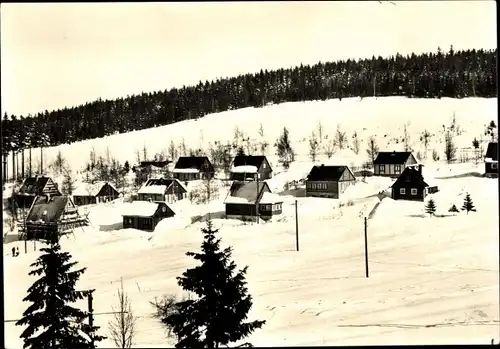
<point>296,226</point>
<point>366,248</point>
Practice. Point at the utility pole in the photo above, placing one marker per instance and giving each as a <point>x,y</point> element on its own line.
<point>257,198</point>
<point>296,226</point>
<point>366,248</point>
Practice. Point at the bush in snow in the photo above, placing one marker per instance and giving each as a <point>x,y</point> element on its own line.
<point>435,155</point>
<point>216,315</point>
<point>453,209</point>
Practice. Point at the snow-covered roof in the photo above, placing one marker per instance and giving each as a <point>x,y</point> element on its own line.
<point>89,189</point>
<point>152,189</point>
<point>490,161</point>
<point>270,198</point>
<point>244,169</point>
<point>431,181</point>
<point>237,200</point>
<point>140,209</point>
<point>185,170</point>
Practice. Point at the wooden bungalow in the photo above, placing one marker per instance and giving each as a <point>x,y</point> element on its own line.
<point>189,168</point>
<point>52,216</point>
<point>33,187</point>
<point>247,167</point>
<point>243,197</point>
<point>155,168</point>
<point>94,193</point>
<point>491,160</point>
<point>411,185</point>
<point>392,164</point>
<point>329,181</point>
<point>144,215</point>
<point>162,190</point>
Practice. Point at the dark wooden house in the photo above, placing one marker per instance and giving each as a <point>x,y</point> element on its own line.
<point>248,167</point>
<point>491,160</point>
<point>94,193</point>
<point>33,187</point>
<point>154,168</point>
<point>392,164</point>
<point>242,199</point>
<point>51,216</point>
<point>189,168</point>
<point>328,181</point>
<point>411,185</point>
<point>144,215</point>
<point>162,190</point>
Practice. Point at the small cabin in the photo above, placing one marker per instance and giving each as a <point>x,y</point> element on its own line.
<point>491,160</point>
<point>162,190</point>
<point>392,164</point>
<point>190,168</point>
<point>33,187</point>
<point>94,193</point>
<point>144,215</point>
<point>243,197</point>
<point>411,185</point>
<point>250,167</point>
<point>52,216</point>
<point>156,168</point>
<point>329,181</point>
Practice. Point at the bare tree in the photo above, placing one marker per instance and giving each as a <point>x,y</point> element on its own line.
<point>406,138</point>
<point>450,149</point>
<point>172,151</point>
<point>183,148</point>
<point>340,138</point>
<point>372,149</point>
<point>355,143</point>
<point>425,138</point>
<point>329,147</point>
<point>68,184</point>
<point>320,132</point>
<point>313,146</point>
<point>59,164</point>
<point>122,327</point>
<point>138,156</point>
<point>145,153</point>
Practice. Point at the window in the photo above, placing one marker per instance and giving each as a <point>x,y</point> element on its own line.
<point>381,168</point>
<point>402,191</point>
<point>494,166</point>
<point>258,175</point>
<point>413,191</point>
<point>408,179</point>
<point>264,165</point>
<point>397,168</point>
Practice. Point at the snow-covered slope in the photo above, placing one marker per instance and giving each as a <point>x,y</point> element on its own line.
<point>382,117</point>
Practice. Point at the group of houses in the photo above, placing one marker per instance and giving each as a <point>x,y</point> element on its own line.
<point>249,197</point>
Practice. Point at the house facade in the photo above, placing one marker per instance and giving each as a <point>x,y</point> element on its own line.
<point>94,193</point>
<point>249,167</point>
<point>411,185</point>
<point>491,160</point>
<point>162,190</point>
<point>33,187</point>
<point>392,164</point>
<point>243,197</point>
<point>144,215</point>
<point>190,168</point>
<point>329,181</point>
<point>52,216</point>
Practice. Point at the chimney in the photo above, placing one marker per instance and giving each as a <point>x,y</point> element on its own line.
<point>420,168</point>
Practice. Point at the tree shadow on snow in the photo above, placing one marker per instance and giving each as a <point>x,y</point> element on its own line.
<point>298,193</point>
<point>111,227</point>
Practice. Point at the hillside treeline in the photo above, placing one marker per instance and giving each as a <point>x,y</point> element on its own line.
<point>455,74</point>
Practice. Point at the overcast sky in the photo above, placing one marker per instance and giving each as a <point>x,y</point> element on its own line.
<point>56,55</point>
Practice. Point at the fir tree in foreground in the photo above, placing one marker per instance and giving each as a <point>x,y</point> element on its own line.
<point>216,315</point>
<point>453,209</point>
<point>430,207</point>
<point>468,204</point>
<point>51,323</point>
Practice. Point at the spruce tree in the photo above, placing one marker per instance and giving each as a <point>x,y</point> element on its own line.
<point>430,207</point>
<point>284,149</point>
<point>216,315</point>
<point>453,209</point>
<point>468,204</point>
<point>51,322</point>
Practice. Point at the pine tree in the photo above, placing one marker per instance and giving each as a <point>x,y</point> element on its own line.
<point>313,146</point>
<point>68,184</point>
<point>468,204</point>
<point>50,320</point>
<point>453,209</point>
<point>216,315</point>
<point>430,207</point>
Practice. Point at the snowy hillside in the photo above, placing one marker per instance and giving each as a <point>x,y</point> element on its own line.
<point>382,117</point>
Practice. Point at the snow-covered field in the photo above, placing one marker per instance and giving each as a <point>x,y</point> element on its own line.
<point>432,280</point>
